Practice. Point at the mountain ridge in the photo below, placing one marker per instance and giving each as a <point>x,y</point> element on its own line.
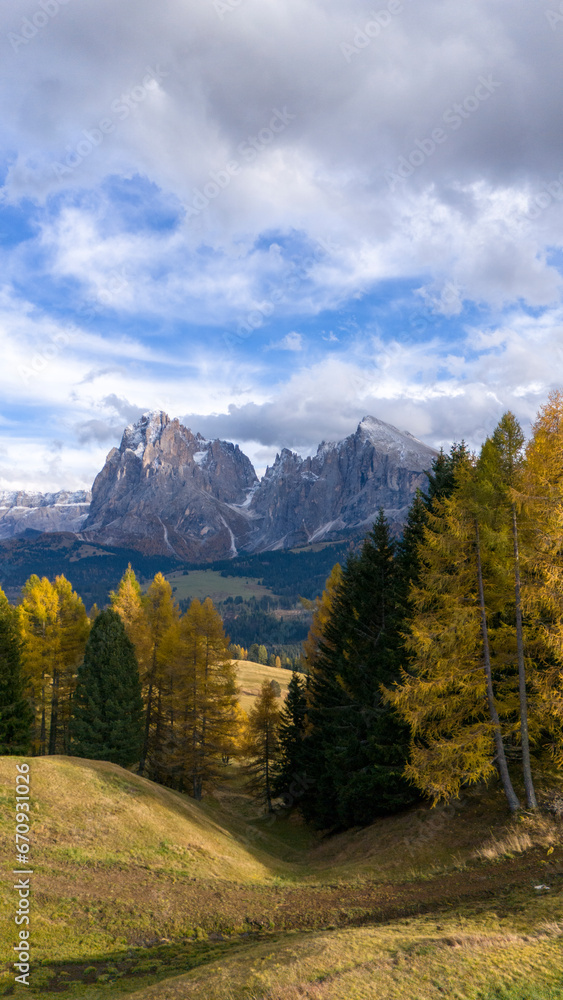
<point>166,490</point>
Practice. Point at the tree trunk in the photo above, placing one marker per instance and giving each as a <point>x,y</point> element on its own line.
<point>511,797</point>
<point>145,749</point>
<point>531,801</point>
<point>54,713</point>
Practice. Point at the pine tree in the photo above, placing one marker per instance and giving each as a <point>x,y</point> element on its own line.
<point>16,716</point>
<point>107,720</point>
<point>262,745</point>
<point>442,477</point>
<point>291,734</point>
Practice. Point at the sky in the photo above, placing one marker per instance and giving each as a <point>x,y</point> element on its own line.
<point>270,218</point>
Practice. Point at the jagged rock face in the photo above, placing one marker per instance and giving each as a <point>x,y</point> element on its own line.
<point>21,512</point>
<point>339,491</point>
<point>167,490</point>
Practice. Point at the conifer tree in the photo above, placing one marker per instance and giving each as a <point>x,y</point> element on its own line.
<point>291,733</point>
<point>446,694</point>
<point>16,716</point>
<point>206,721</point>
<point>54,627</point>
<point>500,471</point>
<point>356,745</point>
<point>262,747</point>
<point>539,502</point>
<point>107,720</point>
<point>322,609</point>
<point>161,616</point>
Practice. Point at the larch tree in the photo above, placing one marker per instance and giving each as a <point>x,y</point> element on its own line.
<point>262,747</point>
<point>54,627</point>
<point>539,502</point>
<point>446,693</point>
<point>207,722</point>
<point>500,472</point>
<point>162,615</point>
<point>16,716</point>
<point>321,608</point>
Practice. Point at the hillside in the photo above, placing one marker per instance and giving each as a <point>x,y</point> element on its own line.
<point>250,676</point>
<point>134,884</point>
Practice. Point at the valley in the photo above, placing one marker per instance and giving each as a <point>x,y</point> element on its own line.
<point>139,891</point>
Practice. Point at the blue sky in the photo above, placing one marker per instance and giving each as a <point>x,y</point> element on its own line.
<point>271,218</point>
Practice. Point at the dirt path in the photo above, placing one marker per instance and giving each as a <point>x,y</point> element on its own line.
<point>226,907</point>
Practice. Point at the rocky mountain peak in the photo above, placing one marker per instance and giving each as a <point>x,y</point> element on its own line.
<point>167,490</point>
<point>389,439</point>
<point>144,431</point>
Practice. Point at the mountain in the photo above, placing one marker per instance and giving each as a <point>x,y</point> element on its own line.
<point>22,513</point>
<point>166,490</point>
<point>169,492</point>
<point>338,492</point>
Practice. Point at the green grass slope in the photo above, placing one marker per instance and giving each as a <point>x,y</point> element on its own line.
<point>140,891</point>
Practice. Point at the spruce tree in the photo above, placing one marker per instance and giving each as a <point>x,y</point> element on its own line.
<point>107,721</point>
<point>16,716</point>
<point>291,733</point>
<point>356,744</point>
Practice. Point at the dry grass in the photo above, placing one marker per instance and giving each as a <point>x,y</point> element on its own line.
<point>422,959</point>
<point>120,861</point>
<point>522,834</point>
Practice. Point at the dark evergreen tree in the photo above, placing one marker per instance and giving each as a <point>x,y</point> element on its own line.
<point>107,721</point>
<point>356,746</point>
<point>441,480</point>
<point>407,559</point>
<point>290,735</point>
<point>16,716</point>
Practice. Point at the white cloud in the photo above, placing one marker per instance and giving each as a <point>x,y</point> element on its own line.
<point>291,342</point>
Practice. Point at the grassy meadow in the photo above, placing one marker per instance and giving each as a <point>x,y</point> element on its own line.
<point>140,891</point>
<point>202,583</point>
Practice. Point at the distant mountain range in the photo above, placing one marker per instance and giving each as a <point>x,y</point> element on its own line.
<point>167,491</point>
